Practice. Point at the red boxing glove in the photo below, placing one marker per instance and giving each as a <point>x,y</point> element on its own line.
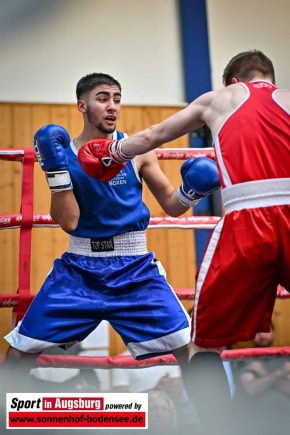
<point>100,158</point>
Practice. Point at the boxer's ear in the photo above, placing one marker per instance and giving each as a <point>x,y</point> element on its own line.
<point>81,105</point>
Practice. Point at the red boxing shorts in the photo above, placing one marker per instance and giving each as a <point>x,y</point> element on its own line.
<point>247,257</point>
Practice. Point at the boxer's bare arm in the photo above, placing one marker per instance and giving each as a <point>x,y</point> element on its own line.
<point>211,108</point>
<point>64,210</point>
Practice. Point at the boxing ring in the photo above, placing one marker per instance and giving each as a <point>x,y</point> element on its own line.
<point>27,219</point>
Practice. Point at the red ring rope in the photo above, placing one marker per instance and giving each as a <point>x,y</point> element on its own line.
<point>11,221</point>
<point>109,362</point>
<point>12,300</point>
<point>162,153</point>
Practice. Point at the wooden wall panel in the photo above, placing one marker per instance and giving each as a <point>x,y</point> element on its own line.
<point>75,121</point>
<point>131,119</point>
<point>41,238</point>
<point>8,201</point>
<point>6,126</point>
<point>281,323</point>
<point>174,248</point>
<point>8,239</point>
<point>8,184</point>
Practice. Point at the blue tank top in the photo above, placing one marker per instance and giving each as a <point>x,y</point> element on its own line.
<point>111,208</point>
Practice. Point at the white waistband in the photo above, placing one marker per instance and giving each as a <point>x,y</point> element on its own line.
<point>133,243</point>
<point>253,194</point>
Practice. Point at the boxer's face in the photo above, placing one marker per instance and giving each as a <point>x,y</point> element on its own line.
<point>102,107</point>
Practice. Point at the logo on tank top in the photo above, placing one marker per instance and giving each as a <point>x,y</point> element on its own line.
<point>262,85</point>
<point>120,179</point>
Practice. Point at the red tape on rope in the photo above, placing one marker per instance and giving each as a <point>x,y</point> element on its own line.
<point>184,153</point>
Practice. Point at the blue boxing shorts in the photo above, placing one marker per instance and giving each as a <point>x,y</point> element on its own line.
<point>130,292</point>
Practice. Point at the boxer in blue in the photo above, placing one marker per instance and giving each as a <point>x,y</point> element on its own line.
<point>107,272</point>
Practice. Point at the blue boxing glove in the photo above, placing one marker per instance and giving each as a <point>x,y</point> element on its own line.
<point>200,177</point>
<point>49,143</point>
